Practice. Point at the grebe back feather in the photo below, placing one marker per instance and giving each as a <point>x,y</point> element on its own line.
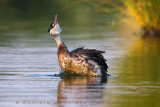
<point>90,56</point>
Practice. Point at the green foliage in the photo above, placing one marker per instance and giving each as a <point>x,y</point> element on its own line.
<point>146,13</point>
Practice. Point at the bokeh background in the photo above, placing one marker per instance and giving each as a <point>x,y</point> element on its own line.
<point>128,30</point>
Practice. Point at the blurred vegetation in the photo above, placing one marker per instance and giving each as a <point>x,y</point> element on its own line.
<point>146,15</point>
<point>102,6</point>
<point>27,15</point>
<point>143,14</point>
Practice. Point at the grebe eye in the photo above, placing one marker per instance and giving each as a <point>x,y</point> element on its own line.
<point>52,25</point>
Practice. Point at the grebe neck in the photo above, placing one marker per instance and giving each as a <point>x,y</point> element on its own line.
<point>62,49</point>
<point>58,40</point>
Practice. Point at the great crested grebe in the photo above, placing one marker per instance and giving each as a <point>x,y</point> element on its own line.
<point>79,61</point>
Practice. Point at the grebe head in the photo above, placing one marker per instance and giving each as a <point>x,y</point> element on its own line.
<point>54,28</point>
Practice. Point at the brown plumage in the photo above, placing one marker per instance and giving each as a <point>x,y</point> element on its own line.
<point>79,61</point>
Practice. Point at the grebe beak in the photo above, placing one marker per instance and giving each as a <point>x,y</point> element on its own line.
<point>53,24</point>
<point>55,20</point>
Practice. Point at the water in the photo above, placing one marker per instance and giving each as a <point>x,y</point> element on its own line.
<point>27,72</point>
<point>24,79</point>
<point>28,60</point>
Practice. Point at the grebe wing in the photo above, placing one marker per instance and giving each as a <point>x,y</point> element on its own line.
<point>90,54</point>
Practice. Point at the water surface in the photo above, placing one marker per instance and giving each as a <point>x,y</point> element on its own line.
<point>27,65</point>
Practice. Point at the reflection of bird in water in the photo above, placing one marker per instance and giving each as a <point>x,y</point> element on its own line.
<point>83,91</point>
<point>79,61</point>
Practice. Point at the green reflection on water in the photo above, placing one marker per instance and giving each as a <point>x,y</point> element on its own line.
<point>138,81</point>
